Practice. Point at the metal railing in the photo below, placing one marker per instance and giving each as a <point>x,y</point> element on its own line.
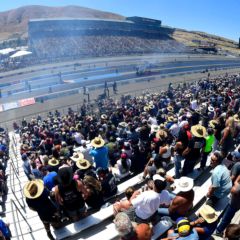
<point>15,212</point>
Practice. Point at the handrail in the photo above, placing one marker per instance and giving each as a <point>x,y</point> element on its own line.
<point>12,185</point>
<point>15,155</point>
<point>13,204</point>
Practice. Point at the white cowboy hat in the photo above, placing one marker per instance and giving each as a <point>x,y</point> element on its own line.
<point>198,131</point>
<point>208,214</point>
<point>158,177</point>
<point>211,109</point>
<point>184,184</point>
<point>77,156</point>
<point>97,142</point>
<point>33,189</point>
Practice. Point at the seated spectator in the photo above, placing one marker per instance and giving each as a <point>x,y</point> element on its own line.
<point>125,205</point>
<point>84,169</point>
<point>122,166</point>
<point>184,231</point>
<point>206,224</point>
<point>147,203</point>
<point>36,173</point>
<point>70,194</point>
<point>183,201</point>
<point>108,182</point>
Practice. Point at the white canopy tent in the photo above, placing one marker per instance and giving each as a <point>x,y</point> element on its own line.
<point>20,54</point>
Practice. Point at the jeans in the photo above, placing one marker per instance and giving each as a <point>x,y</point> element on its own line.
<point>165,212</point>
<point>188,166</point>
<point>177,164</point>
<point>227,217</point>
<point>204,159</point>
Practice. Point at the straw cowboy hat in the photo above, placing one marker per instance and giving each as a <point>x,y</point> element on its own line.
<point>208,214</point>
<point>213,123</point>
<point>170,108</point>
<point>170,119</point>
<point>188,95</point>
<point>97,142</point>
<point>146,108</point>
<point>83,164</point>
<point>236,118</point>
<point>77,156</point>
<point>198,131</point>
<point>123,124</point>
<point>33,189</point>
<point>184,184</point>
<point>53,162</point>
<point>161,134</point>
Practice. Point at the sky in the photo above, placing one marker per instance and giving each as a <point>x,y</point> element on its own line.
<point>218,17</point>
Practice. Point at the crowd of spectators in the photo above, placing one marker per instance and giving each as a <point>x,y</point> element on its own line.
<point>74,161</point>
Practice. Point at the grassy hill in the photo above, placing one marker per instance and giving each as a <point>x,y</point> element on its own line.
<point>13,24</point>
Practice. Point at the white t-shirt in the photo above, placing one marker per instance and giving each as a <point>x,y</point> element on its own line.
<point>146,204</point>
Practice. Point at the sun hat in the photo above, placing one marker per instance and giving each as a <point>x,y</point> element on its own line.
<point>208,213</point>
<point>97,142</point>
<point>170,119</point>
<point>123,124</point>
<point>236,118</point>
<point>170,108</point>
<point>198,131</point>
<point>188,95</point>
<point>77,156</point>
<point>183,227</point>
<point>213,123</point>
<point>33,189</point>
<point>53,162</point>
<point>154,128</point>
<point>123,224</point>
<point>184,184</point>
<point>83,164</point>
<point>146,108</point>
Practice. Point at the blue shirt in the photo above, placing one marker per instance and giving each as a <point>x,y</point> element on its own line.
<point>4,229</point>
<point>100,157</point>
<point>221,181</point>
<point>49,180</point>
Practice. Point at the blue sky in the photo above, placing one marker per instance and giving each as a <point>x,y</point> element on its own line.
<point>219,17</point>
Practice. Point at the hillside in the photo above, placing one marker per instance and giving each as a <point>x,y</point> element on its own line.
<point>13,23</point>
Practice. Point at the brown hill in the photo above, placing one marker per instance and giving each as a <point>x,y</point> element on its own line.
<point>13,23</point>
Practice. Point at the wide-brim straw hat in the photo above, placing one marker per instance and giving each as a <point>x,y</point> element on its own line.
<point>97,142</point>
<point>53,162</point>
<point>170,119</point>
<point>213,123</point>
<point>83,164</point>
<point>188,95</point>
<point>33,189</point>
<point>151,106</point>
<point>208,214</point>
<point>198,131</point>
<point>161,134</point>
<point>123,124</point>
<point>184,184</point>
<point>77,156</point>
<point>170,108</point>
<point>146,108</point>
<point>236,118</point>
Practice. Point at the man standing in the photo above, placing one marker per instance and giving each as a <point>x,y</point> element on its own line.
<point>221,181</point>
<point>232,208</point>
<point>99,153</point>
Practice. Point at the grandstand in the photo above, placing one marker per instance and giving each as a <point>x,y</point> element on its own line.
<point>99,37</point>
